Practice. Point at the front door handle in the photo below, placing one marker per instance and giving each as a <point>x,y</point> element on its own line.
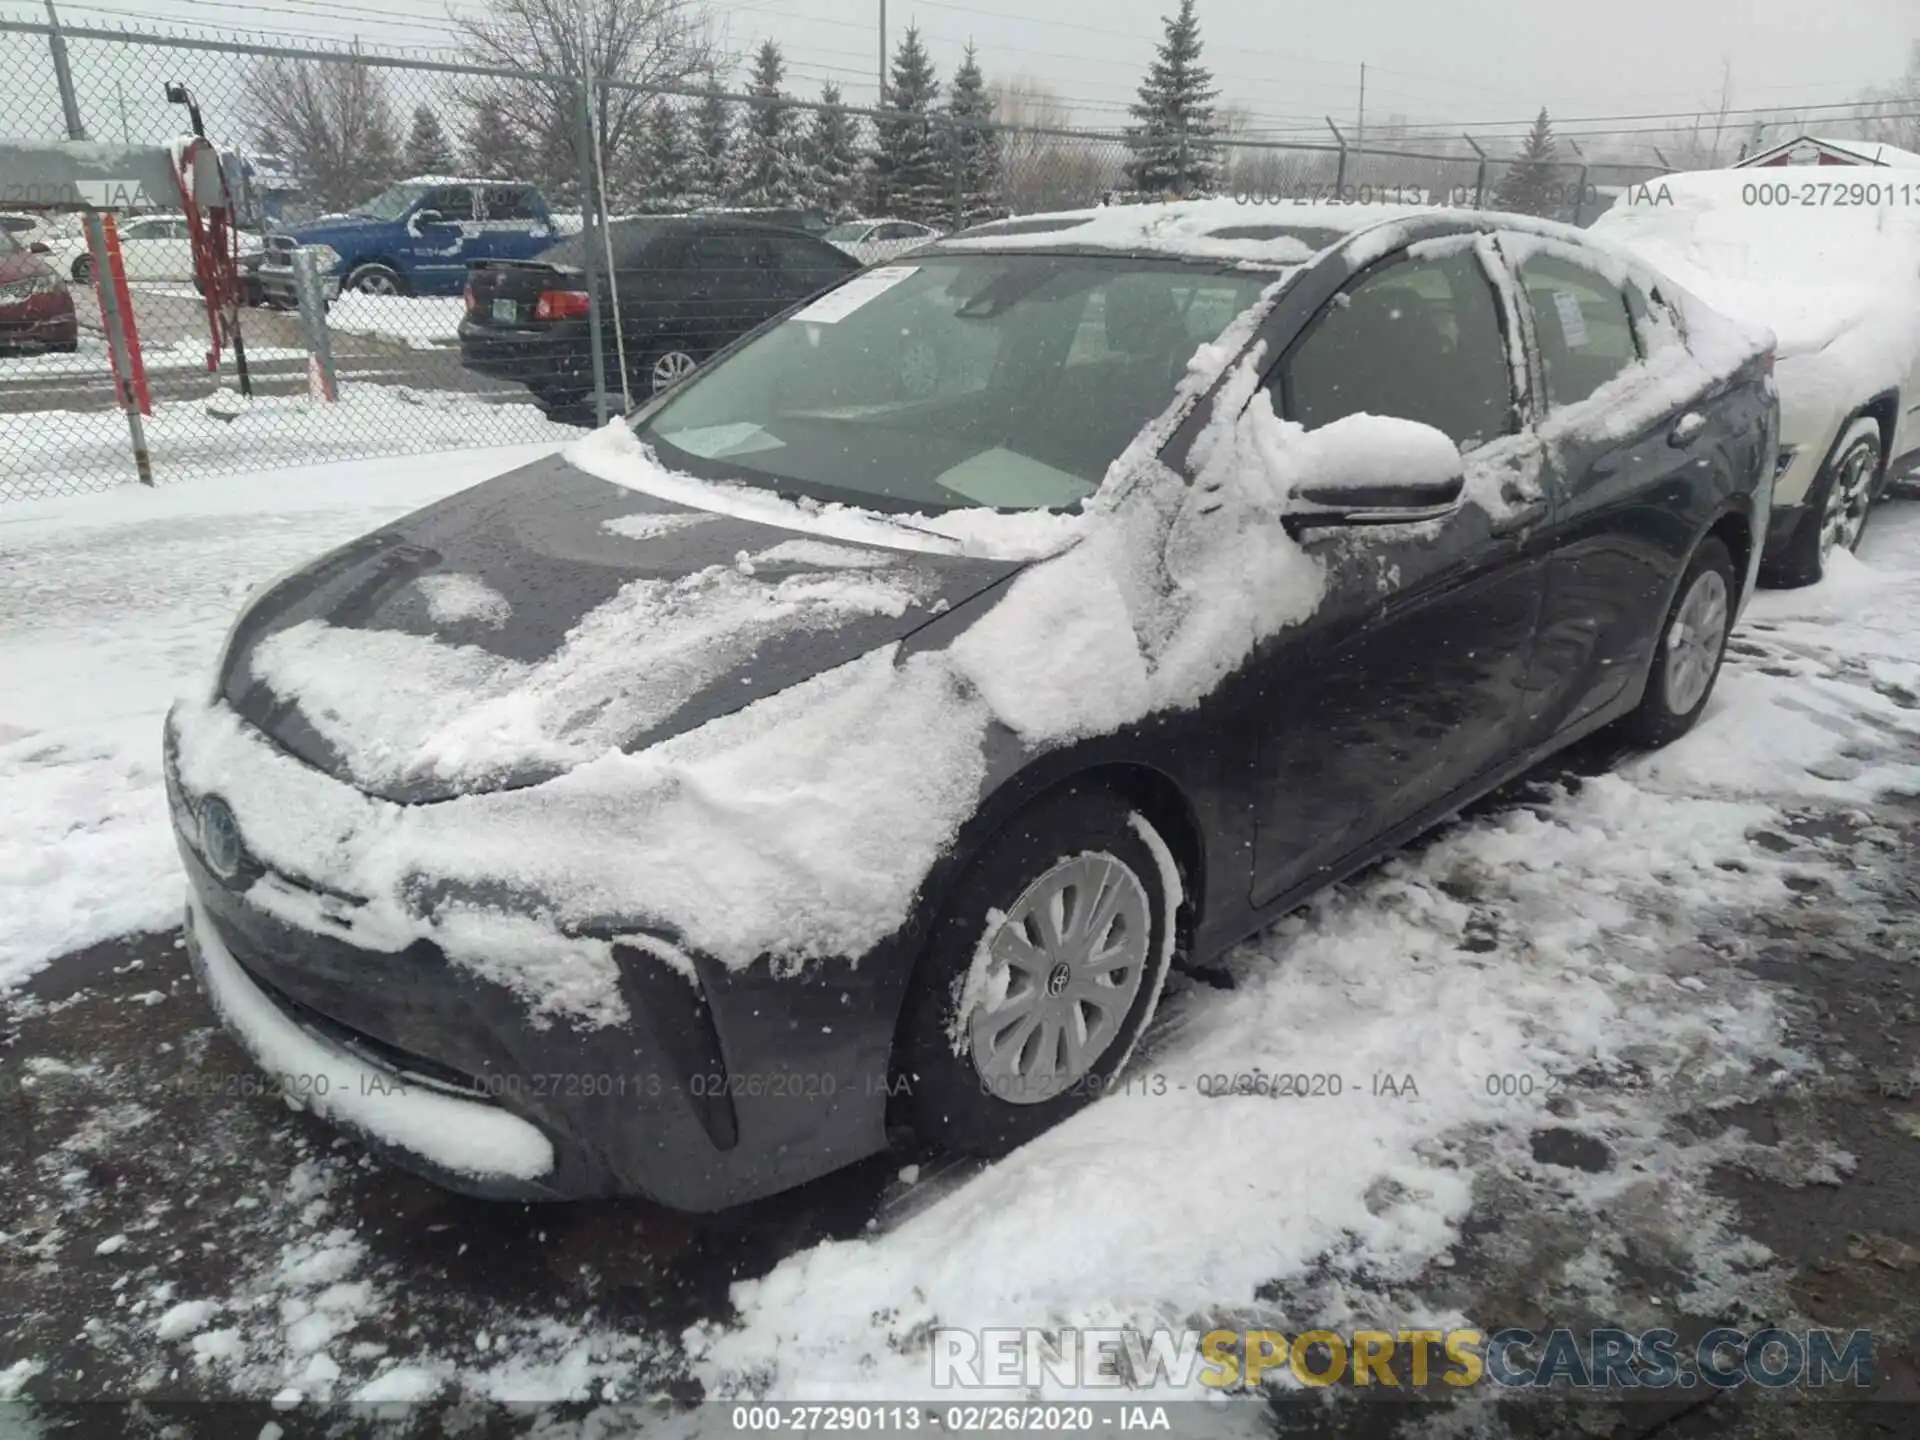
<point>1685,428</point>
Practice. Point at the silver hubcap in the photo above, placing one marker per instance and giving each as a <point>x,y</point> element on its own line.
<point>671,368</point>
<point>1065,966</point>
<point>1846,513</point>
<point>376,285</point>
<point>1694,643</point>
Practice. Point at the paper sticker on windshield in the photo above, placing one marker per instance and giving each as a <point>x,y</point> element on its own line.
<point>1573,325</point>
<point>836,305</point>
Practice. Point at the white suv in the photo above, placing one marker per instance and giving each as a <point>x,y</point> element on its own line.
<point>1828,259</point>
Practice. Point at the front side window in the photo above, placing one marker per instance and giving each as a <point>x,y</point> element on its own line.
<point>1418,340</point>
<point>1581,325</point>
<point>454,202</point>
<point>956,381</point>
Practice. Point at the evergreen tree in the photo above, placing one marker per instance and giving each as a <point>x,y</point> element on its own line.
<point>1173,139</point>
<point>710,166</point>
<point>977,143</point>
<point>910,166</point>
<point>833,158</point>
<point>1529,187</point>
<point>429,152</point>
<point>771,172</point>
<point>495,148</point>
<point>668,158</point>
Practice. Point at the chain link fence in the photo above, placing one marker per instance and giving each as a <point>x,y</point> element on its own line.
<point>321,143</point>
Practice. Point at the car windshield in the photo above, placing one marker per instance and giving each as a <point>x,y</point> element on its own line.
<point>850,230</point>
<point>391,203</point>
<point>1006,381</point>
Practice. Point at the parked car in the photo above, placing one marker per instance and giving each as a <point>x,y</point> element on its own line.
<point>36,312</point>
<point>35,232</point>
<point>414,238</point>
<point>152,248</point>
<point>870,241</point>
<point>662,817</point>
<point>687,288</point>
<point>1839,285</point>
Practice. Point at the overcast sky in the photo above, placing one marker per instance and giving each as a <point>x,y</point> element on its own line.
<point>1288,62</point>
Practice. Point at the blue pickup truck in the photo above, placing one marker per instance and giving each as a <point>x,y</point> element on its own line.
<point>414,238</point>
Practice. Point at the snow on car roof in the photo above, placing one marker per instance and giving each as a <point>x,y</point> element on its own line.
<point>1223,229</point>
<point>1742,241</point>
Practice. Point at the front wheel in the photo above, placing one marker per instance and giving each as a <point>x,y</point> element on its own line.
<point>1693,643</point>
<point>83,270</point>
<point>1040,974</point>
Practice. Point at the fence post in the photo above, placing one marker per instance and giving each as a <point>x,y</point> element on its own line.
<point>63,76</point>
<point>954,153</point>
<point>589,215</point>
<point>109,284</point>
<point>321,380</point>
<point>1480,175</point>
<point>1340,168</point>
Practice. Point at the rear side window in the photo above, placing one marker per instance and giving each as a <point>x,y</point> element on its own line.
<point>1418,340</point>
<point>508,202</point>
<point>1580,323</point>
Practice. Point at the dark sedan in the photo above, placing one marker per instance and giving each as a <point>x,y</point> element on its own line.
<point>857,733</point>
<point>687,287</point>
<point>36,310</point>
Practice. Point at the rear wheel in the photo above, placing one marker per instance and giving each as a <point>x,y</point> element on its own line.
<point>667,368</point>
<point>1040,974</point>
<point>376,280</point>
<point>1837,507</point>
<point>83,270</point>
<point>1693,643</point>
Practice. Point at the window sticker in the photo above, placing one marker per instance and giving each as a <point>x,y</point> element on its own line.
<point>836,305</point>
<point>1573,325</point>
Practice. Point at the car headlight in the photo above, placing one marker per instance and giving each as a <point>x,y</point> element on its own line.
<point>32,285</point>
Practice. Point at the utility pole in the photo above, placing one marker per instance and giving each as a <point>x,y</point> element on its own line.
<point>879,104</point>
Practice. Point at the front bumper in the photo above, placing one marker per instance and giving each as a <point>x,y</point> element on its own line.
<point>555,361</point>
<point>277,287</point>
<point>716,1091</point>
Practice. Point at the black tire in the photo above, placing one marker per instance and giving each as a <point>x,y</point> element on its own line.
<point>83,270</point>
<point>1657,722</point>
<point>374,279</point>
<point>1804,561</point>
<point>949,1100</point>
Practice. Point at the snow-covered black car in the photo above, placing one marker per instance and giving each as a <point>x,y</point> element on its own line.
<point>860,731</point>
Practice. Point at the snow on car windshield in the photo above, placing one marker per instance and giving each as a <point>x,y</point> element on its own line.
<point>1009,382</point>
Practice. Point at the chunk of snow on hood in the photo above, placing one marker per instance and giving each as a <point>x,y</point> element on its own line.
<point>453,598</point>
<point>615,454</point>
<point>399,706</point>
<point>646,526</point>
<point>184,1319</point>
<point>820,555</point>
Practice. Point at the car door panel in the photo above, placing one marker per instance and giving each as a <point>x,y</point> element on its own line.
<point>1407,685</point>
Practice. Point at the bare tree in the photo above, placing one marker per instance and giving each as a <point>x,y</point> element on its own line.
<point>1042,171</point>
<point>1712,139</point>
<point>1891,115</point>
<point>332,121</point>
<point>631,43</point>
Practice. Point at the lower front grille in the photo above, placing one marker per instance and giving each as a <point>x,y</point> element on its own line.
<point>402,1064</point>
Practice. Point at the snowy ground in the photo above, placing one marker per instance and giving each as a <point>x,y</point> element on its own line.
<point>1625,932</point>
<point>92,359</point>
<point>421,320</point>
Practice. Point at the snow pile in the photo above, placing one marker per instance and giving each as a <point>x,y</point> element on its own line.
<point>421,321</point>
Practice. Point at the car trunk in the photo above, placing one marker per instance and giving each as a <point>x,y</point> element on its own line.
<point>506,294</point>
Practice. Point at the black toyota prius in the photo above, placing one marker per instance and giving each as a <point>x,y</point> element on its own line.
<point>857,732</point>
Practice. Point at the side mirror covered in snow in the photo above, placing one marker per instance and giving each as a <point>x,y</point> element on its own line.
<point>1376,470</point>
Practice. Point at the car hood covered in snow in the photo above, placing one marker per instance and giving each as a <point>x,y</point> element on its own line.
<point>547,617</point>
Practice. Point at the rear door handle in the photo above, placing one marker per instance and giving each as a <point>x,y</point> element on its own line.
<point>1685,428</point>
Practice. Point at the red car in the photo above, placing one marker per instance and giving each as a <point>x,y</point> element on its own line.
<point>36,312</point>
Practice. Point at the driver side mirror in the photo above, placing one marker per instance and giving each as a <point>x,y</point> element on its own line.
<point>1375,470</point>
